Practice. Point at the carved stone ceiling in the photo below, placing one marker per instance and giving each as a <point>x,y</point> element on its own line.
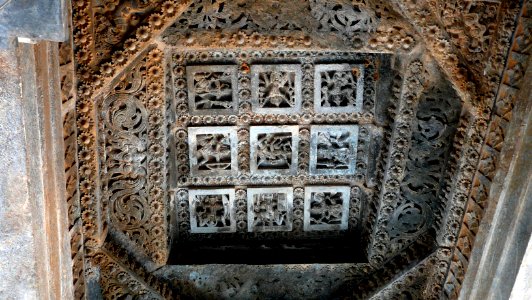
<point>284,149</point>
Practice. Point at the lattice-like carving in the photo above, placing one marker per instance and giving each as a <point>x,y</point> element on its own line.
<point>338,88</point>
<point>212,211</point>
<point>270,209</point>
<point>316,24</point>
<point>212,150</point>
<point>108,36</point>
<point>276,88</point>
<point>326,208</point>
<point>333,149</point>
<point>343,17</point>
<point>274,149</point>
<point>337,16</point>
<point>212,89</point>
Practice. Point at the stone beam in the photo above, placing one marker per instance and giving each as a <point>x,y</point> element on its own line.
<point>506,228</point>
<point>33,19</point>
<point>34,246</point>
<point>35,260</point>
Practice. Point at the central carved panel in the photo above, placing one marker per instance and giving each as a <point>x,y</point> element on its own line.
<point>270,148</point>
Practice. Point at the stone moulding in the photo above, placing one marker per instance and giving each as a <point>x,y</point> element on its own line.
<point>97,72</point>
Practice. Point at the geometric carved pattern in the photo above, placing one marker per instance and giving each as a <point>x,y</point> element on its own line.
<point>408,172</point>
<point>268,139</point>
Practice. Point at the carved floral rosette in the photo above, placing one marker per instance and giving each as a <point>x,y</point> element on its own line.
<point>129,117</point>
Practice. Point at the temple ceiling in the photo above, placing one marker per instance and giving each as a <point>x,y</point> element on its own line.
<point>304,149</point>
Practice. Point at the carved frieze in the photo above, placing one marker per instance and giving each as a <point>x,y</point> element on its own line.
<point>285,121</point>
<point>131,131</point>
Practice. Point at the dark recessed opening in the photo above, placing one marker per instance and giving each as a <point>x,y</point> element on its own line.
<point>347,249</point>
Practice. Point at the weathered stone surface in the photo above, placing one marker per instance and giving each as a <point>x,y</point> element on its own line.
<point>18,260</point>
<point>174,133</point>
<point>504,234</point>
<point>35,252</point>
<point>33,19</point>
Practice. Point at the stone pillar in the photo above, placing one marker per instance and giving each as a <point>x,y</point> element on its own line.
<point>35,258</point>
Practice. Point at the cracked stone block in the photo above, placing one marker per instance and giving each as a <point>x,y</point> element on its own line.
<point>213,151</point>
<point>276,89</point>
<point>333,149</point>
<point>326,208</point>
<point>212,89</point>
<point>270,209</point>
<point>338,88</point>
<point>274,150</point>
<point>212,211</point>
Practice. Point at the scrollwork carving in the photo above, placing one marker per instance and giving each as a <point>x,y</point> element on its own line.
<point>344,17</point>
<point>130,130</point>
